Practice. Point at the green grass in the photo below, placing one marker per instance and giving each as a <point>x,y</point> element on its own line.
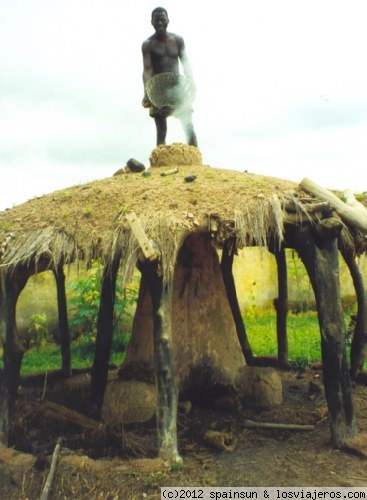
<point>303,336</point>
<point>48,358</point>
<point>303,342</point>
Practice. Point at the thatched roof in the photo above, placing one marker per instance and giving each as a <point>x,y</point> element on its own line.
<point>88,221</point>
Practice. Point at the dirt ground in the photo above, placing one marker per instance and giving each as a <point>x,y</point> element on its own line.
<point>260,457</point>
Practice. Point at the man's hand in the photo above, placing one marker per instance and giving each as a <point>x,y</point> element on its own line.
<point>145,102</point>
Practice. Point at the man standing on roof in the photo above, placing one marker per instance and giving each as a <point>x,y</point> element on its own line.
<point>162,53</point>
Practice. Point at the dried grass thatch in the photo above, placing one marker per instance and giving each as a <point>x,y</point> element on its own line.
<point>88,221</point>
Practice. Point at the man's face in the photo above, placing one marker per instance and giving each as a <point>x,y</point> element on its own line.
<point>160,22</point>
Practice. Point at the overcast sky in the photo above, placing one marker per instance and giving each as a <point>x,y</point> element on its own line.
<point>281,89</point>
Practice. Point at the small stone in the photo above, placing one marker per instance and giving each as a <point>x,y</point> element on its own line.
<point>190,178</point>
<point>120,171</point>
<point>135,166</point>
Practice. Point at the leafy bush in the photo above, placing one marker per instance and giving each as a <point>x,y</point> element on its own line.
<point>84,305</point>
<point>38,331</point>
<point>83,302</point>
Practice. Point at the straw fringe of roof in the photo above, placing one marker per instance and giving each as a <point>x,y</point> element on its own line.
<point>255,222</point>
<point>166,232</point>
<point>253,225</point>
<point>50,245</point>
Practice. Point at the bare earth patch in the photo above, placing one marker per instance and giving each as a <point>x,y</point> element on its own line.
<point>259,457</point>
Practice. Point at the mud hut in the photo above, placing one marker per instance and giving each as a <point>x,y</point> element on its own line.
<point>169,222</point>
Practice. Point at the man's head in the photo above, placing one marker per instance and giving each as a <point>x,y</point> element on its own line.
<point>159,10</point>
<point>160,19</point>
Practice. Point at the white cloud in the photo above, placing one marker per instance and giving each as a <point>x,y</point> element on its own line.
<point>281,89</point>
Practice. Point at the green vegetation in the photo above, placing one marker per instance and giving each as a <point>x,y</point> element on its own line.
<point>83,303</point>
<point>303,341</point>
<point>210,175</point>
<point>49,357</point>
<point>88,211</point>
<point>304,344</point>
<point>303,336</point>
<point>38,331</point>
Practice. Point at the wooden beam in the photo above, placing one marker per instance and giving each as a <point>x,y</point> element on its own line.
<point>249,424</point>
<point>144,242</point>
<point>169,172</point>
<point>351,211</point>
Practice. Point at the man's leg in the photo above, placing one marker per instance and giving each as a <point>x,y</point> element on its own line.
<point>186,121</point>
<point>161,126</point>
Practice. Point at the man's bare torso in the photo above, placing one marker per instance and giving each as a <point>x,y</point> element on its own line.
<point>164,53</point>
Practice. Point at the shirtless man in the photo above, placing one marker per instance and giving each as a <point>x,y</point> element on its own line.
<point>162,52</point>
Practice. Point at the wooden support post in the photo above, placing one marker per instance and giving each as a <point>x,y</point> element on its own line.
<point>63,320</point>
<point>358,350</point>
<point>99,374</point>
<point>318,249</point>
<point>167,394</point>
<point>230,286</point>
<point>281,306</point>
<point>10,288</point>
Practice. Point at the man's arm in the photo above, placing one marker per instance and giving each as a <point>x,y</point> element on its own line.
<point>147,61</point>
<point>148,69</point>
<point>184,59</point>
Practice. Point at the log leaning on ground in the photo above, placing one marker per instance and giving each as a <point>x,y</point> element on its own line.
<point>351,211</point>
<point>77,429</point>
<point>48,484</point>
<point>249,424</point>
